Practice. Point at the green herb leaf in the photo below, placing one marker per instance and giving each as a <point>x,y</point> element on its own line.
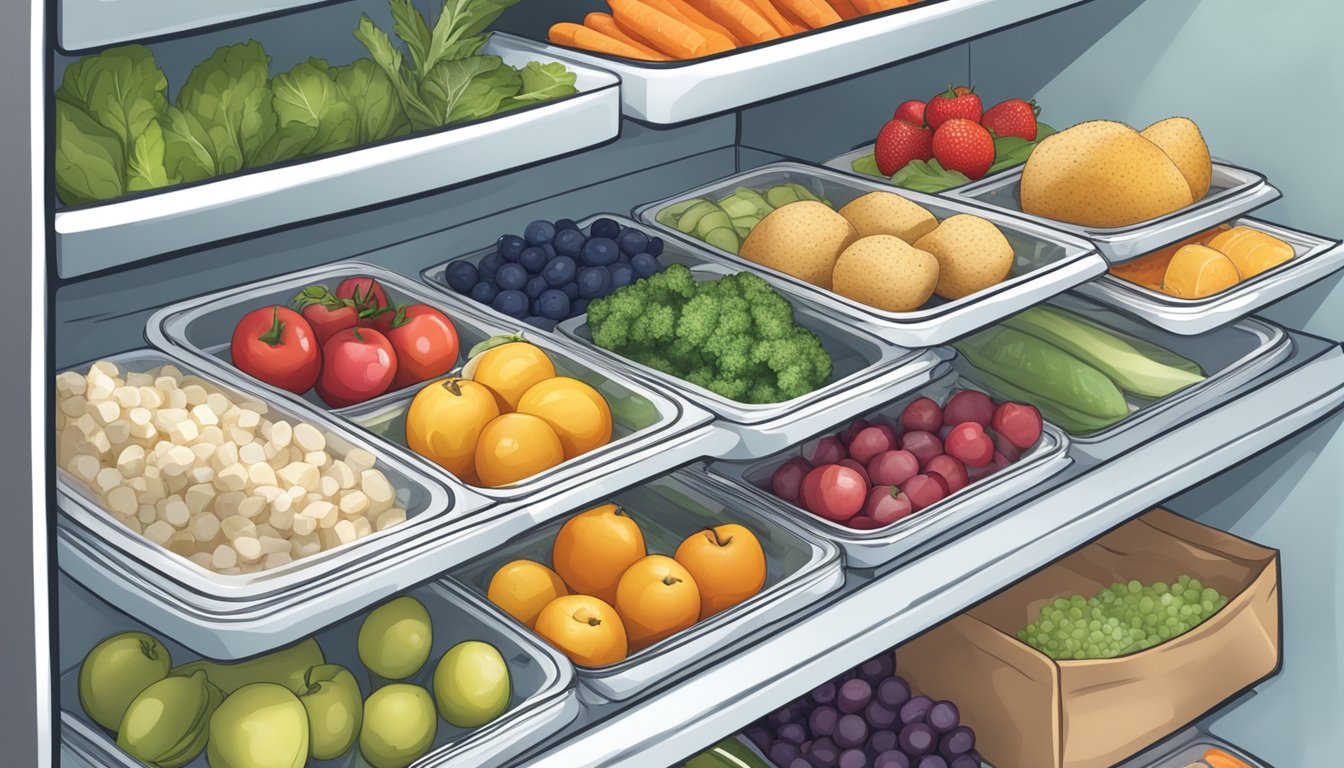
<point>229,94</point>
<point>122,88</point>
<point>308,96</point>
<point>145,169</point>
<point>410,26</point>
<point>927,177</point>
<point>371,92</point>
<point>459,31</point>
<point>867,165</point>
<point>388,58</point>
<point>543,82</point>
<point>90,163</point>
<point>469,89</point>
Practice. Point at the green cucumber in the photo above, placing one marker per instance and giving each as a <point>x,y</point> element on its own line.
<point>669,216</point>
<point>750,195</point>
<point>1044,370</point>
<point>1071,420</point>
<point>1131,370</point>
<point>737,207</point>
<point>690,220</point>
<point>783,194</point>
<point>724,238</point>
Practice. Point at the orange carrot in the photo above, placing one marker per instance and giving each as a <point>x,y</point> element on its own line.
<point>666,33</point>
<point>746,24</point>
<point>605,24</point>
<point>699,19</point>
<point>718,41</point>
<point>579,36</point>
<point>844,8</point>
<point>770,13</point>
<point>814,13</point>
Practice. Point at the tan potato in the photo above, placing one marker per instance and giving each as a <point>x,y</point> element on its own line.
<point>1180,138</point>
<point>885,272</point>
<point>1102,174</point>
<point>802,239</point>
<point>972,255</point>
<point>887,213</point>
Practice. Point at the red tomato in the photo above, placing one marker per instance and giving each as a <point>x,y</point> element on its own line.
<point>358,364</point>
<point>366,292</point>
<point>276,345</point>
<point>426,344</point>
<point>325,312</point>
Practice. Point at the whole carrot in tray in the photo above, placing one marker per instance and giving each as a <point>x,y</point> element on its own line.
<point>814,13</point>
<point>718,41</point>
<point>844,8</point>
<point>604,23</point>
<point>746,24</point>
<point>700,19</point>
<point>579,36</point>
<point>771,13</point>
<point>667,34</point>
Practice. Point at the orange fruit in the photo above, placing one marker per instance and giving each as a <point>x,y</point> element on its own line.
<point>516,446</point>
<point>1252,251</point>
<point>578,414</point>
<point>1197,271</point>
<point>727,563</point>
<point>523,587</point>
<point>509,370</point>
<point>656,598</point>
<point>594,548</point>
<point>445,421</point>
<point>585,629</point>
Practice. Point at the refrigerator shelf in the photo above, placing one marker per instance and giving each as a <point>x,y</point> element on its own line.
<point>1076,506</point>
<point>98,236</point>
<point>675,92</point>
<point>1048,262</point>
<point>86,24</point>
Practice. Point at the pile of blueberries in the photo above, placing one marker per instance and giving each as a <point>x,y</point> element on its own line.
<point>553,271</point>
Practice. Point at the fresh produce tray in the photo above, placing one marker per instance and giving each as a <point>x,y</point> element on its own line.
<point>644,417</point>
<point>1231,356</point>
<point>542,699</point>
<point>865,371</point>
<point>674,92</point>
<point>97,236</point>
<point>800,569</point>
<point>1047,261</point>
<point>1233,192</point>
<point>1186,749</point>
<point>1315,258</point>
<point>870,549</point>
<point>844,163</point>
<point>83,24</point>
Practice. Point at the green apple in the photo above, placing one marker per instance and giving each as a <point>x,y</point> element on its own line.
<point>471,684</point>
<point>116,671</point>
<point>399,726</point>
<point>395,639</point>
<point>167,724</point>
<point>335,710</point>
<point>261,725</point>
<point>283,667</point>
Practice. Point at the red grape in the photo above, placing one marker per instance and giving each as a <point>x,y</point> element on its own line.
<point>923,415</point>
<point>924,445</point>
<point>869,443</point>
<point>950,470</point>
<point>969,405</point>
<point>969,443</point>
<point>1019,423</point>
<point>923,491</point>
<point>834,492</point>
<point>788,479</point>
<point>892,468</point>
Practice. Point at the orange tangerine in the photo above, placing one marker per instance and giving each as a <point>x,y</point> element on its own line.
<point>727,563</point>
<point>445,422</point>
<point>578,414</point>
<point>1197,271</point>
<point>523,587</point>
<point>585,629</point>
<point>594,548</point>
<point>656,598</point>
<point>516,446</point>
<point>1252,251</point>
<point>509,370</point>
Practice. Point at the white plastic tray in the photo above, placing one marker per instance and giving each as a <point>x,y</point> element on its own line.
<point>84,24</point>
<point>97,236</point>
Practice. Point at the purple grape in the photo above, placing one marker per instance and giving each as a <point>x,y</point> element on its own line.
<point>879,716</point>
<point>915,710</point>
<point>917,739</point>
<point>876,669</point>
<point>825,753</point>
<point>931,761</point>
<point>805,747</point>
<point>854,696</point>
<point>850,731</point>
<point>891,759</point>
<point>782,752</point>
<point>822,721</point>
<point>882,741</point>
<point>853,758</point>
<point>958,741</point>
<point>783,717</point>
<point>893,692</point>
<point>824,693</point>
<point>944,716</point>
<point>965,761</point>
<point>760,737</point>
<point>792,732</point>
<point>800,762</point>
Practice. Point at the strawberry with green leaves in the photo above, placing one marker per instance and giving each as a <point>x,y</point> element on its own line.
<point>964,145</point>
<point>1014,117</point>
<point>956,101</point>
<point>898,143</point>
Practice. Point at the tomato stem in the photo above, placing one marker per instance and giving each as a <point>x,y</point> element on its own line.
<point>357,336</point>
<point>272,337</point>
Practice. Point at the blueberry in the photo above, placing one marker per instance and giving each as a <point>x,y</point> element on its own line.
<point>533,308</point>
<point>487,275</point>
<point>578,307</point>
<point>511,303</point>
<point>509,246</point>
<point>553,304</point>
<point>633,241</point>
<point>533,259</point>
<point>600,251</point>
<point>545,324</point>
<point>624,258</point>
<point>655,248</point>
<point>484,292</point>
<point>563,224</point>
<point>605,227</point>
<point>535,285</point>
<point>511,277</point>
<point>621,275</point>
<point>594,282</point>
<point>492,262</point>
<point>571,289</point>
<point>644,265</point>
<point>569,242</point>
<point>461,276</point>
<point>549,249</point>
<point>539,232</point>
<point>560,271</point>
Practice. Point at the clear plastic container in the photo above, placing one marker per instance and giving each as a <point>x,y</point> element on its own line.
<point>1234,191</point>
<point>1186,749</point>
<point>1315,258</point>
<point>800,569</point>
<point>1047,262</point>
<point>870,549</point>
<point>542,698</point>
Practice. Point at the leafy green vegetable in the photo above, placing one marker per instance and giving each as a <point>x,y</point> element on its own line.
<point>145,169</point>
<point>371,93</point>
<point>1012,151</point>
<point>308,96</point>
<point>867,165</point>
<point>90,162</point>
<point>228,94</point>
<point>543,82</point>
<point>932,177</point>
<point>469,89</point>
<point>187,154</point>
<point>928,177</point>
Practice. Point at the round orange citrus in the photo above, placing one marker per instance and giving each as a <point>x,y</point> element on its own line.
<point>509,370</point>
<point>585,629</point>
<point>516,446</point>
<point>523,587</point>
<point>577,412</point>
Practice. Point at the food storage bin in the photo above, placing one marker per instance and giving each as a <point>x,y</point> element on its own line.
<point>1185,751</point>
<point>542,698</point>
<point>1315,258</point>
<point>800,569</point>
<point>1234,191</point>
<point>645,419</point>
<point>1231,357</point>
<point>864,371</point>
<point>97,236</point>
<point>1030,711</point>
<point>870,549</point>
<point>1047,262</point>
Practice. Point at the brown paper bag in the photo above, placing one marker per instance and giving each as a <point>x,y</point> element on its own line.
<point>1029,711</point>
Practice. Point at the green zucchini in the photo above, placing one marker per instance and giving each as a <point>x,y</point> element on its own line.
<point>1071,420</point>
<point>729,753</point>
<point>1044,370</point>
<point>1130,369</point>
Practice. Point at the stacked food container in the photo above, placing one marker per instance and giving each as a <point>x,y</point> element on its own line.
<point>604,487</point>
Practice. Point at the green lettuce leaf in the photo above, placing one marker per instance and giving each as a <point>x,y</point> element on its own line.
<point>122,88</point>
<point>469,89</point>
<point>371,92</point>
<point>90,161</point>
<point>867,165</point>
<point>308,96</point>
<point>404,82</point>
<point>188,152</point>
<point>543,82</point>
<point>459,31</point>
<point>145,168</point>
<point>229,95</point>
<point>928,177</point>
<point>410,26</point>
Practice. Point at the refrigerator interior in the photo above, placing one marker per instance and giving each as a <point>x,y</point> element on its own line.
<point>1264,464</point>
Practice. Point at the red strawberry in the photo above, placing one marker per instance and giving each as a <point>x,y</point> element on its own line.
<point>954,102</point>
<point>1013,117</point>
<point>964,145</point>
<point>911,111</point>
<point>898,143</point>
